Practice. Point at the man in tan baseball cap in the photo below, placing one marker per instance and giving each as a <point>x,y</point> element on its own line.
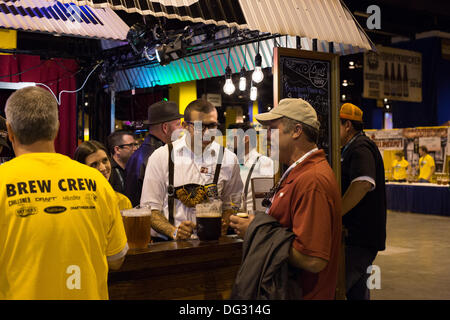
<point>306,200</point>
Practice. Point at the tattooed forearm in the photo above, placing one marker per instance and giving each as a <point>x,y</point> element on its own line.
<point>161,225</point>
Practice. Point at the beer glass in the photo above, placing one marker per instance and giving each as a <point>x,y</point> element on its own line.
<point>209,220</point>
<point>137,223</point>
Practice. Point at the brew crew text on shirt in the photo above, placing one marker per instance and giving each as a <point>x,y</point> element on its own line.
<point>45,186</point>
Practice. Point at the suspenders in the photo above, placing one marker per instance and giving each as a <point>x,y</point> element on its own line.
<point>171,188</point>
<point>247,182</point>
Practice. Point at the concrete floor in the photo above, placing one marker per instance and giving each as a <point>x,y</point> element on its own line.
<point>416,262</point>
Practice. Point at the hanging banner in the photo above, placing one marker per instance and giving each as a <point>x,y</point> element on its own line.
<point>394,74</point>
<point>387,139</point>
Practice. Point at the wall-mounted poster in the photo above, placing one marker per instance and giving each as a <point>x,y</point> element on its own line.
<point>391,73</point>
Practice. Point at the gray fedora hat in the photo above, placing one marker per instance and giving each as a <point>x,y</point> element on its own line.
<point>163,111</point>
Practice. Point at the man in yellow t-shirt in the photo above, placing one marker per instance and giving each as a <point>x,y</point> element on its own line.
<point>399,167</point>
<point>60,224</point>
<point>426,165</point>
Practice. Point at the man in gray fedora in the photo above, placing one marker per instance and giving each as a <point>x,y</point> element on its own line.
<point>164,119</point>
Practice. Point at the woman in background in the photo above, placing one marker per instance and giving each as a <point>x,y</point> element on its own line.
<point>95,155</point>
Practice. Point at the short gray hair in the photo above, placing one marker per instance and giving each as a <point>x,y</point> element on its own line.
<point>32,113</point>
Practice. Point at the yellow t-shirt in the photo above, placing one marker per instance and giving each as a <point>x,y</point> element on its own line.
<point>426,163</point>
<point>124,202</point>
<point>399,169</point>
<point>59,220</point>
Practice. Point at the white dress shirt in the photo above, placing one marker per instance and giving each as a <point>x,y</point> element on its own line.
<point>188,168</point>
<point>263,168</point>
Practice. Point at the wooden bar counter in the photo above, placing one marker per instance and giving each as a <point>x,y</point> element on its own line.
<point>178,270</point>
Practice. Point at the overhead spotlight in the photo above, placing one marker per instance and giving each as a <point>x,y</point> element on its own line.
<point>385,100</point>
<point>258,75</point>
<point>137,36</point>
<point>343,97</point>
<point>229,87</point>
<point>161,55</point>
<point>387,107</point>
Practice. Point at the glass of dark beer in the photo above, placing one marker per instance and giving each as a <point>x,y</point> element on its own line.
<point>209,220</point>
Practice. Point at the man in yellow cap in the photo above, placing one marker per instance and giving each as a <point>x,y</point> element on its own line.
<point>363,201</point>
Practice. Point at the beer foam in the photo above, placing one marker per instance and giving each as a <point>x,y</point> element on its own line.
<point>242,214</point>
<point>136,213</point>
<point>209,215</point>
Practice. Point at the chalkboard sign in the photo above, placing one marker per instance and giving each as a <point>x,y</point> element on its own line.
<point>310,80</point>
<point>311,76</point>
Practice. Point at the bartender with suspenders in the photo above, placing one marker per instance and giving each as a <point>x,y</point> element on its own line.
<point>252,163</point>
<point>198,169</point>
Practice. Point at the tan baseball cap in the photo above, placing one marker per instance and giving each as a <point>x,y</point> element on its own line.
<point>295,109</point>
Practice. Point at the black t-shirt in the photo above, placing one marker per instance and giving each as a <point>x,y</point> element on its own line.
<point>366,222</point>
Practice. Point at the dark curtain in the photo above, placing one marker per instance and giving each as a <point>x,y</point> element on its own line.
<point>410,114</point>
<point>58,74</point>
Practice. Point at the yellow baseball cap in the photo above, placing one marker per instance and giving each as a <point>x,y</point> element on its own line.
<point>351,112</point>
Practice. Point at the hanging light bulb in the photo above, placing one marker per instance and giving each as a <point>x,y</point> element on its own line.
<point>258,75</point>
<point>228,88</point>
<point>242,80</point>
<point>253,93</point>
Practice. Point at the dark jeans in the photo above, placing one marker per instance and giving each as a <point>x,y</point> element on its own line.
<point>357,259</point>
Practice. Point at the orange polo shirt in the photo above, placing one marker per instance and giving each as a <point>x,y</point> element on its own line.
<point>309,203</point>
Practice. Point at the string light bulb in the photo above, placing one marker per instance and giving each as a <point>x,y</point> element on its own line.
<point>253,93</point>
<point>258,75</point>
<point>242,80</point>
<point>229,87</point>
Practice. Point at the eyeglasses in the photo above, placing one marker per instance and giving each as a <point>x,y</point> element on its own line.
<point>209,126</point>
<point>131,145</point>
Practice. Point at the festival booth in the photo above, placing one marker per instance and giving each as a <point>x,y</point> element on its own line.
<point>412,196</point>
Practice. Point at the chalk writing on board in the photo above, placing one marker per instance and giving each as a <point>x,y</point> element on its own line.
<point>310,80</point>
<point>307,79</point>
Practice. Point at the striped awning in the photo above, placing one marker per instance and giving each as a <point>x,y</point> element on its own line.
<point>213,64</point>
<point>59,18</point>
<point>327,20</point>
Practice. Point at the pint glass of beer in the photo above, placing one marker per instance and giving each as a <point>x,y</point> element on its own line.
<point>209,220</point>
<point>137,223</point>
